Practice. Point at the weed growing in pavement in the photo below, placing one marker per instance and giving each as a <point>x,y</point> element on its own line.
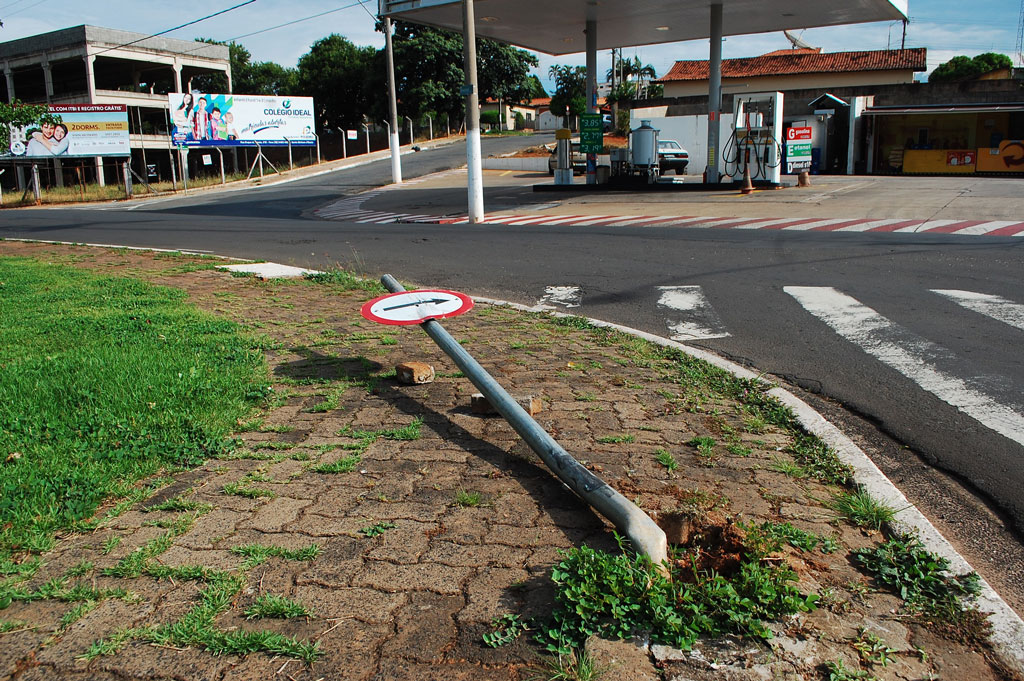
<point>861,509</point>
<point>465,499</point>
<point>81,568</point>
<point>819,460</point>
<point>110,544</point>
<point>665,458</point>
<point>257,554</point>
<point>505,630</point>
<point>770,536</point>
<point>68,341</point>
<point>617,439</point>
<point>617,596</point>
<point>737,449</point>
<point>276,607</point>
<point>837,671</point>
<point>787,467</point>
<point>575,665</point>
<point>704,445</point>
<point>178,504</point>
<point>344,280</point>
<point>7,626</point>
<point>872,649</point>
<point>345,464</point>
<point>241,489</point>
<point>919,577</point>
<point>377,529</point>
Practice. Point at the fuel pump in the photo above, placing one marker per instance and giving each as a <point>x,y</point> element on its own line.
<point>754,143</point>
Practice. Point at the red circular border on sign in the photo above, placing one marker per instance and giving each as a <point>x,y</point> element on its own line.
<point>467,305</point>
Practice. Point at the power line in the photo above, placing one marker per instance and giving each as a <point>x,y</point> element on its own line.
<point>195,21</point>
<point>297,21</point>
<point>35,4</point>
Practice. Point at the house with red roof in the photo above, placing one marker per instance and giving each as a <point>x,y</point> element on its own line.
<point>798,69</point>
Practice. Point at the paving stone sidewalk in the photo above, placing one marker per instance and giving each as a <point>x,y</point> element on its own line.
<point>429,521</point>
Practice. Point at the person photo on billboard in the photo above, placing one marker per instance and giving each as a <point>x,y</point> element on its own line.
<point>229,126</point>
<point>50,140</point>
<point>182,116</point>
<point>218,130</point>
<point>201,121</point>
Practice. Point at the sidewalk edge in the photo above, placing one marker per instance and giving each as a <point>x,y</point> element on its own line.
<point>1007,637</point>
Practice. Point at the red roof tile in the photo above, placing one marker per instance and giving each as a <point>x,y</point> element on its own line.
<point>789,62</point>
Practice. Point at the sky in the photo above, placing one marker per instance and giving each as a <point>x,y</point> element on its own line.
<point>946,27</point>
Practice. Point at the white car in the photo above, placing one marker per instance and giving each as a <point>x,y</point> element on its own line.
<point>672,156</point>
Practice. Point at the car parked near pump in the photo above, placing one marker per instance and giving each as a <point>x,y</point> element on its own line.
<point>579,160</point>
<point>672,156</point>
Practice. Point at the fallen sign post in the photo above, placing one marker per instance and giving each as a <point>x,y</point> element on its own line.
<point>420,307</point>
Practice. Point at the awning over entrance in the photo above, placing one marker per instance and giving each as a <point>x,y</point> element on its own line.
<point>557,27</point>
<point>942,109</point>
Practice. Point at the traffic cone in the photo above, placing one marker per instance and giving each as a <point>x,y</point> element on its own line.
<point>748,186</point>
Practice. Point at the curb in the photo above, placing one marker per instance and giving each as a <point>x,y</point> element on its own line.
<point>1007,637</point>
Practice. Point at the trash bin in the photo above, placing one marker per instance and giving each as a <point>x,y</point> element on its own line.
<point>602,174</point>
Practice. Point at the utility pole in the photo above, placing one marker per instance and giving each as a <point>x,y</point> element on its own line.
<point>475,184</point>
<point>396,159</point>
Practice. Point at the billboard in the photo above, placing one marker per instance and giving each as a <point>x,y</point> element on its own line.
<point>84,130</point>
<point>213,120</point>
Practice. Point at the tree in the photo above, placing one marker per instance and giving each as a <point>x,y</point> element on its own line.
<point>570,98</point>
<point>333,73</point>
<point>538,88</point>
<point>965,68</point>
<point>504,72</point>
<point>248,77</point>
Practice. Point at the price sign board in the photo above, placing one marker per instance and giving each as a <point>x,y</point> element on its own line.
<point>798,149</point>
<point>591,133</point>
<point>415,307</point>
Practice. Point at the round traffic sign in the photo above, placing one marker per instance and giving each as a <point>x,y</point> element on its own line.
<point>415,307</point>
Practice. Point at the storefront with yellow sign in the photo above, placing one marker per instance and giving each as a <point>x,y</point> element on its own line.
<point>947,139</point>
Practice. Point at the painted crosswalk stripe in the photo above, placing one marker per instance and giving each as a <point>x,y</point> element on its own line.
<point>908,354</point>
<point>992,306</point>
<point>561,296</point>
<point>690,315</point>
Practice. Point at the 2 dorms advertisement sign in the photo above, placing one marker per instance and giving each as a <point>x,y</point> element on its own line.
<point>217,120</point>
<point>82,130</point>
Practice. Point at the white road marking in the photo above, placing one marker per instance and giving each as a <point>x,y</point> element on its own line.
<point>907,353</point>
<point>995,307</point>
<point>828,194</point>
<point>561,296</point>
<point>693,318</point>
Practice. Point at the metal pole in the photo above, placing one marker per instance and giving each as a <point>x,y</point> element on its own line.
<point>344,144</point>
<point>366,129</point>
<point>715,93</point>
<point>396,161</point>
<point>2,171</point>
<point>223,178</point>
<point>35,184</point>
<point>412,137</point>
<point>291,166</point>
<point>645,535</point>
<point>317,138</point>
<point>430,127</point>
<point>474,165</point>
<point>174,171</point>
<point>127,180</point>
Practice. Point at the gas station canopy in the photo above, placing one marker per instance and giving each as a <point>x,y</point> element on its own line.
<point>557,27</point>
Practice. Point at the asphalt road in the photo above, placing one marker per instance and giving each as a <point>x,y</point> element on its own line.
<point>618,271</point>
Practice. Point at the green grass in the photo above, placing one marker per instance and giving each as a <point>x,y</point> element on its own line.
<point>665,458</point>
<point>466,499</point>
<point>106,381</point>
<point>617,439</point>
<point>276,607</point>
<point>861,509</point>
<point>257,554</point>
<point>377,529</point>
<point>345,280</point>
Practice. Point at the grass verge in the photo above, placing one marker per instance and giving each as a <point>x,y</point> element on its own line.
<point>106,381</point>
